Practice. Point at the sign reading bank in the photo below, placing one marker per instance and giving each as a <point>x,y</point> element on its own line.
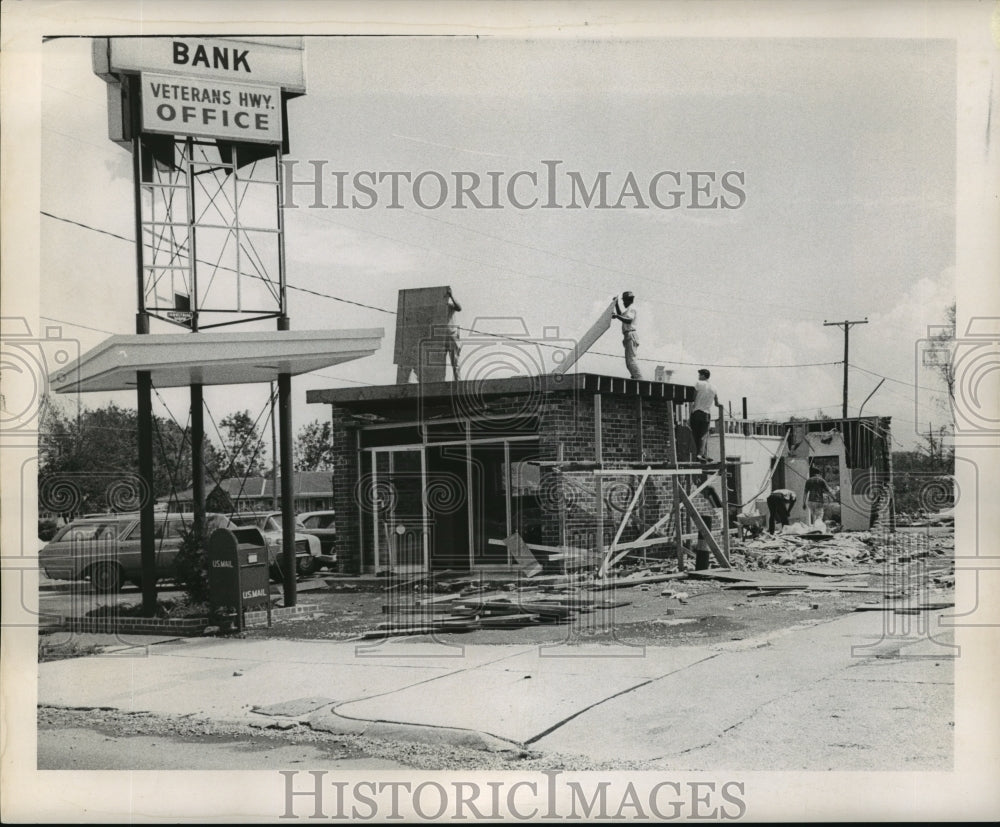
<point>273,61</point>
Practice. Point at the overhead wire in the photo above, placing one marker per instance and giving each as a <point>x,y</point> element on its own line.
<point>500,336</point>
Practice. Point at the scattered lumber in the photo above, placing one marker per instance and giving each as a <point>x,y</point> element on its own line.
<point>544,600</point>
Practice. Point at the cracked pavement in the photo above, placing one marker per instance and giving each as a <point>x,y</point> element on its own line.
<point>836,694</point>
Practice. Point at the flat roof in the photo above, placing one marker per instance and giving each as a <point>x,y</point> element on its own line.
<point>226,358</point>
<point>515,385</point>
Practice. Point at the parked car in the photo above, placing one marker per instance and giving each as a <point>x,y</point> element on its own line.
<point>321,524</point>
<point>105,549</point>
<point>307,547</point>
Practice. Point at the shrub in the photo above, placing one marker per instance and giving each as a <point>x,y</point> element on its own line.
<point>192,571</point>
<point>47,529</point>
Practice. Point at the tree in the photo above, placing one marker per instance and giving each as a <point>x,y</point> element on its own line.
<point>923,481</point>
<point>91,463</point>
<point>54,432</point>
<point>245,454</point>
<point>943,344</point>
<point>172,457</point>
<point>940,357</point>
<point>314,447</point>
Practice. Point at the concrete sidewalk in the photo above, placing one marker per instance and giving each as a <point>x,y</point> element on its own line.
<point>835,695</point>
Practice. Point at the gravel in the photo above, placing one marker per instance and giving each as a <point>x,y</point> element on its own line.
<point>118,724</point>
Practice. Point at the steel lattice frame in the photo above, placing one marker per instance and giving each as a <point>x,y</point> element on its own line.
<point>212,233</point>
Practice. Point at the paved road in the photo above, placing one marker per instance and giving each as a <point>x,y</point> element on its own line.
<point>77,748</point>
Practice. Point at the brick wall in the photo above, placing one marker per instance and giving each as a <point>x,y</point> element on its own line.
<point>345,478</point>
<point>633,430</point>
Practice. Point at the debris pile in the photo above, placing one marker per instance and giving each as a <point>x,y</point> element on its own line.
<point>940,518</point>
<point>845,549</point>
<point>556,599</point>
<point>807,559</point>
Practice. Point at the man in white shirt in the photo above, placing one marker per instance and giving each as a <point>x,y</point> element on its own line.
<point>705,400</point>
<point>625,313</point>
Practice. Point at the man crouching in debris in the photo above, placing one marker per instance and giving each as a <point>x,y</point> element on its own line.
<point>780,503</point>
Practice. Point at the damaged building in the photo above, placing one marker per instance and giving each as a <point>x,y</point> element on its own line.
<point>560,469</point>
<point>439,475</point>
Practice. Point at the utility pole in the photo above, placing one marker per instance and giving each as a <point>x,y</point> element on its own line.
<point>847,325</point>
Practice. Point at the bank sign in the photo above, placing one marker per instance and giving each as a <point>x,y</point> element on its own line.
<point>212,109</point>
<point>226,88</point>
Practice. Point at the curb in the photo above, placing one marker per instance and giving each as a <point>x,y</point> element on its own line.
<point>174,627</point>
<point>333,723</point>
<point>70,586</point>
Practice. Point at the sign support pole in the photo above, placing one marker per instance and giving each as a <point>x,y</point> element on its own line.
<point>147,542</point>
<point>144,379</point>
<point>198,458</point>
<point>287,480</point>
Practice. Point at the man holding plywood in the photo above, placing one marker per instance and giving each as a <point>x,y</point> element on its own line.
<point>426,334</point>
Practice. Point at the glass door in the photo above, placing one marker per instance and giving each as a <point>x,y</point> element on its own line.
<point>399,536</point>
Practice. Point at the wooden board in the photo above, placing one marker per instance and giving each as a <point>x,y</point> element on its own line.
<point>624,583</point>
<point>724,574</point>
<point>420,314</point>
<point>587,341</point>
<point>829,571</point>
<point>771,585</point>
<point>445,598</point>
<point>508,621</point>
<point>525,559</point>
<point>804,585</point>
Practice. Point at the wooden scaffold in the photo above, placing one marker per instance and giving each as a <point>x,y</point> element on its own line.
<point>645,475</point>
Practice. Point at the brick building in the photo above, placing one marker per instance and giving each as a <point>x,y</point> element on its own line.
<point>438,474</point>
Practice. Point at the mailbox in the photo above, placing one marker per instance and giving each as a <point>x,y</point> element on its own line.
<point>238,579</point>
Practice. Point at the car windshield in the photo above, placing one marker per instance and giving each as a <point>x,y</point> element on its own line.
<point>87,530</point>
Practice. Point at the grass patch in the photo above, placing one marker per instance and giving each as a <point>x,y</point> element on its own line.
<point>50,650</point>
<point>165,609</point>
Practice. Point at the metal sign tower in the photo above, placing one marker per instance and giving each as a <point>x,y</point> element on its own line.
<point>204,119</point>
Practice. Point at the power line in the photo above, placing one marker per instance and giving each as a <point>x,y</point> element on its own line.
<point>899,381</point>
<point>87,226</point>
<point>75,324</point>
<point>506,337</point>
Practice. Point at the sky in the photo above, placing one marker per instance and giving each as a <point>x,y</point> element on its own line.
<point>843,153</point>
